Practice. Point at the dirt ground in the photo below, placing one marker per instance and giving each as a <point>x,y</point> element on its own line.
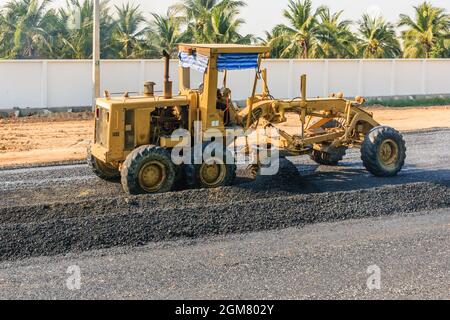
<point>64,137</point>
<point>44,139</point>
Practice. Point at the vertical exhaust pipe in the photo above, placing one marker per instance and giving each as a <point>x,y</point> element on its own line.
<point>303,104</point>
<point>303,87</point>
<point>167,82</point>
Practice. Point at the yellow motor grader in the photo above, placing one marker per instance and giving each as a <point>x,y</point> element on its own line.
<point>134,134</point>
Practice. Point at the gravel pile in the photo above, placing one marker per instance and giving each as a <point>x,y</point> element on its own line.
<point>52,186</point>
<point>49,229</point>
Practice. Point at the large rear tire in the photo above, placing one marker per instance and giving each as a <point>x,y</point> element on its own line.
<point>383,151</point>
<point>148,169</point>
<point>214,171</point>
<point>101,169</point>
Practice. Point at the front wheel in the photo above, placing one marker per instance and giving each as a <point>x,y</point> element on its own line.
<point>383,152</point>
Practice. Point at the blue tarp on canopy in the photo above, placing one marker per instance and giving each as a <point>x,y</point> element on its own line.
<point>225,61</point>
<point>197,61</point>
<point>237,61</point>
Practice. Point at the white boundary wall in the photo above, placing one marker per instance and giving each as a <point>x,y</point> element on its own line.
<point>67,83</point>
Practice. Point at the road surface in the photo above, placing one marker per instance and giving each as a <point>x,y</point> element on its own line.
<point>308,232</point>
<point>322,261</point>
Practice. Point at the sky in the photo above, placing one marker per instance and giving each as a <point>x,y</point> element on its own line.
<point>262,15</point>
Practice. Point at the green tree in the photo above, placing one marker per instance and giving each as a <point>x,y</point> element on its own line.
<point>31,29</point>
<point>207,20</point>
<point>25,29</point>
<point>311,33</point>
<point>165,32</point>
<point>128,32</point>
<point>276,41</point>
<point>441,49</point>
<point>377,38</point>
<point>76,40</point>
<point>224,25</point>
<point>426,32</point>
<point>4,28</point>
<point>300,33</point>
<point>333,36</point>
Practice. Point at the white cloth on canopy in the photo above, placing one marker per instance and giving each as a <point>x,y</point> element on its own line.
<point>196,61</point>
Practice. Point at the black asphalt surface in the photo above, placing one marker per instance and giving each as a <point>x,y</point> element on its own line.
<point>52,215</point>
<point>318,261</point>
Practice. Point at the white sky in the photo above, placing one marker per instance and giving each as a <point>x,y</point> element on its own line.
<point>261,15</point>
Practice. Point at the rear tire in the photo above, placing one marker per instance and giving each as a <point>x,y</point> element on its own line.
<point>148,169</point>
<point>329,158</point>
<point>383,152</point>
<point>211,175</point>
<point>101,169</point>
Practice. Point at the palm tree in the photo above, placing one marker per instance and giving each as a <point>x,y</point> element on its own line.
<point>377,38</point>
<point>442,48</point>
<point>198,16</point>
<point>333,37</point>
<point>128,31</point>
<point>276,41</point>
<point>77,43</point>
<point>3,35</point>
<point>164,33</point>
<point>301,31</point>
<point>31,29</point>
<point>25,28</point>
<point>425,31</point>
<point>224,26</point>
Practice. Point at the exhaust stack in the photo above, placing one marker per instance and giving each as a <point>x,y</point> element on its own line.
<point>167,82</point>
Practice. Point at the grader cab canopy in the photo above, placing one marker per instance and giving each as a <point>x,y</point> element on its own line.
<point>231,57</point>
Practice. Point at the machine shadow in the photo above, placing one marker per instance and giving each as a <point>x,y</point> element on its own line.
<point>348,176</point>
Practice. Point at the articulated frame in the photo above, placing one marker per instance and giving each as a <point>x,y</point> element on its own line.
<point>349,127</point>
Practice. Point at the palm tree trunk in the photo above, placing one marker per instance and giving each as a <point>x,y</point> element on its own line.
<point>427,51</point>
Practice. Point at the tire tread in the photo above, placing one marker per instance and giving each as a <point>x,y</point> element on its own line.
<point>133,163</point>
<point>369,150</point>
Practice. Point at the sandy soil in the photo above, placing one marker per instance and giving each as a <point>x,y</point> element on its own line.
<point>65,137</point>
<point>408,119</point>
<point>44,140</point>
<point>403,119</point>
